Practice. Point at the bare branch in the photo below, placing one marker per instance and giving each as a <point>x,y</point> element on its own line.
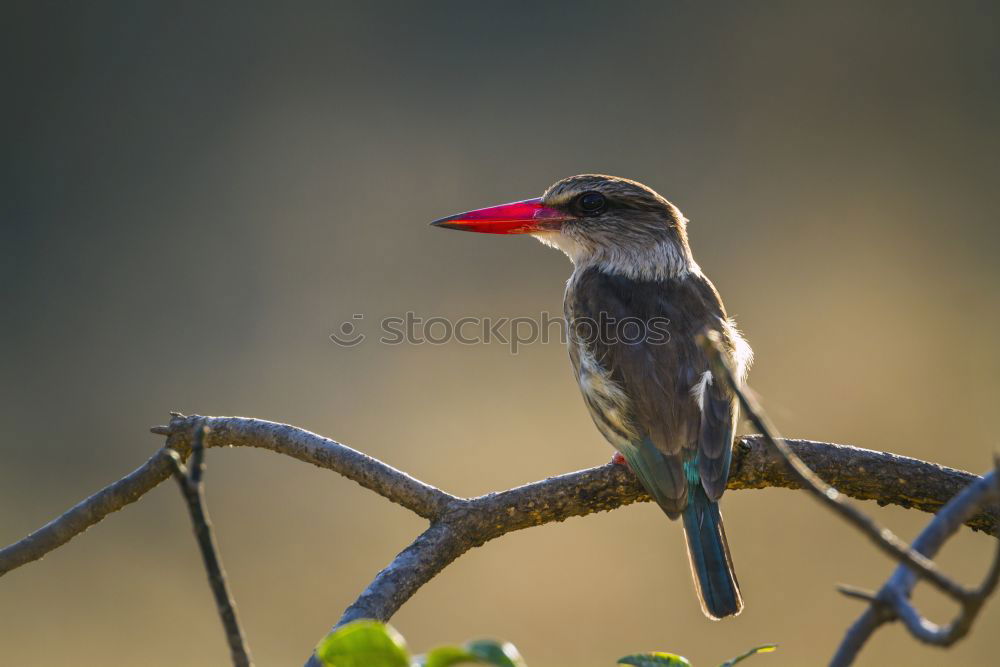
<point>893,600</point>
<point>435,549</point>
<point>86,513</point>
<point>883,538</point>
<point>416,496</point>
<point>189,479</point>
<point>863,474</point>
<point>860,473</point>
<point>460,524</point>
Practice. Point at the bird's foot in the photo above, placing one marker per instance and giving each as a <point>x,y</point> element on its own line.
<point>619,460</point>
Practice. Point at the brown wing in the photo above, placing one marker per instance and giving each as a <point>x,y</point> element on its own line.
<point>719,414</point>
<point>657,377</point>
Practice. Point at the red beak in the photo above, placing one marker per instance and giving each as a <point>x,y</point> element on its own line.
<point>520,217</point>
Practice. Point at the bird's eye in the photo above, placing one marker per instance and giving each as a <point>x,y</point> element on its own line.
<point>591,203</point>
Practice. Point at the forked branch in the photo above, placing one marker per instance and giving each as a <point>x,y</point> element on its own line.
<point>459,524</point>
<point>864,474</point>
<point>892,601</point>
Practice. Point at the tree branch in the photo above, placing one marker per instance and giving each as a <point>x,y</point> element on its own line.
<point>860,473</point>
<point>416,496</point>
<point>892,601</point>
<point>459,524</point>
<point>435,549</point>
<point>86,513</point>
<point>883,538</point>
<point>473,522</point>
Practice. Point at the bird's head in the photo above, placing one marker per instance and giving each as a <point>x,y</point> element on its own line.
<point>614,223</point>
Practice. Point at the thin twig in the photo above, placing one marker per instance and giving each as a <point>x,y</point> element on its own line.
<point>893,599</point>
<point>856,593</point>
<point>883,538</point>
<point>189,479</point>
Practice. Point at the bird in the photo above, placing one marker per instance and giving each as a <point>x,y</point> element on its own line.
<point>635,306</point>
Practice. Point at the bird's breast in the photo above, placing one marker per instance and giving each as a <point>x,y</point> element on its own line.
<point>607,402</point>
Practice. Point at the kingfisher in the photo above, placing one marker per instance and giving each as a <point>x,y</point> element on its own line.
<point>635,306</point>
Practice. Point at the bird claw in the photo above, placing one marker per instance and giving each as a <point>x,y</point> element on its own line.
<point>619,459</point>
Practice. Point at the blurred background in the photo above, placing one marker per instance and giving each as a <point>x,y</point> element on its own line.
<point>194,199</point>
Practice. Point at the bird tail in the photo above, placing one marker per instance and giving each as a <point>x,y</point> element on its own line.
<point>708,552</point>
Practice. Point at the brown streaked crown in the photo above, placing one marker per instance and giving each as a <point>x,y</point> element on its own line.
<point>620,192</point>
<point>634,231</point>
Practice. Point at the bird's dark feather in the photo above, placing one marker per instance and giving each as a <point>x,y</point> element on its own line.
<point>715,445</point>
<point>657,379</point>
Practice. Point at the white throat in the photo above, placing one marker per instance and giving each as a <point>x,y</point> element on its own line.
<point>660,261</point>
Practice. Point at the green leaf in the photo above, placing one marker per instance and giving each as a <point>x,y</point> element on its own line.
<point>766,648</point>
<point>654,660</point>
<point>481,652</point>
<point>364,643</point>
<point>499,654</point>
<point>445,656</point>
